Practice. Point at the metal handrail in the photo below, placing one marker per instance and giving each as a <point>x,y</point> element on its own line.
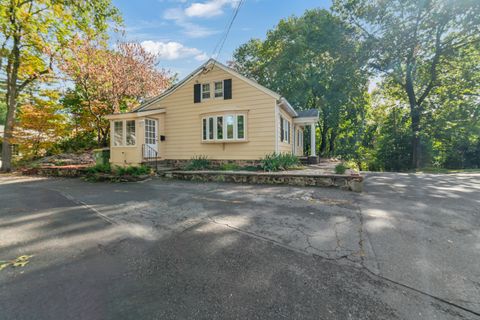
<point>148,153</point>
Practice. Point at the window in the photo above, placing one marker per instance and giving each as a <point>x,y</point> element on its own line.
<point>230,120</point>
<point>131,136</point>
<point>284,130</point>
<point>225,127</point>
<point>240,126</point>
<point>219,89</point>
<point>219,128</point>
<point>205,129</point>
<point>118,133</point>
<point>211,129</point>
<point>205,91</point>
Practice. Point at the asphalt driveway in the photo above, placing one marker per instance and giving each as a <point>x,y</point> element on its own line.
<point>407,248</point>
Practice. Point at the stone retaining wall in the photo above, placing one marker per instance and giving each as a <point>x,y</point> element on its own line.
<point>57,171</point>
<point>214,163</point>
<point>346,182</point>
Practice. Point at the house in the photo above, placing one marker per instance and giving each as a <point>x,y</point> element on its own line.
<point>214,112</point>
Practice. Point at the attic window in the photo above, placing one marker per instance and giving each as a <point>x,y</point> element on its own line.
<point>205,91</point>
<point>218,89</point>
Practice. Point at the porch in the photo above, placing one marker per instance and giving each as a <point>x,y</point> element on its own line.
<point>137,137</point>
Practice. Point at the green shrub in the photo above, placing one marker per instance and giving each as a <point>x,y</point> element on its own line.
<point>198,163</point>
<point>340,168</point>
<point>100,168</point>
<point>277,162</point>
<point>132,170</point>
<point>230,167</point>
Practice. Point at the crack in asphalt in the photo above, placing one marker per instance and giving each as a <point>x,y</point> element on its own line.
<point>355,264</point>
<point>347,257</point>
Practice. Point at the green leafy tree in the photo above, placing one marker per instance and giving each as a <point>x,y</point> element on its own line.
<point>33,36</point>
<point>315,61</point>
<point>411,43</point>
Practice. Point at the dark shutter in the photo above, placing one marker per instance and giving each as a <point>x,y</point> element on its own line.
<point>281,129</point>
<point>196,93</point>
<point>227,89</point>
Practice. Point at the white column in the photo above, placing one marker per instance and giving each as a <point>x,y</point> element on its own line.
<point>312,140</point>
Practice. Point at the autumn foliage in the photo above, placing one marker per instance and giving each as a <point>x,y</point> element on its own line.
<point>111,80</point>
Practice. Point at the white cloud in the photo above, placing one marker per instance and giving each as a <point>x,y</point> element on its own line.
<point>207,9</point>
<point>188,28</point>
<point>173,50</point>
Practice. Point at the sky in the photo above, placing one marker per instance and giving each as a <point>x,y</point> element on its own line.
<point>185,32</point>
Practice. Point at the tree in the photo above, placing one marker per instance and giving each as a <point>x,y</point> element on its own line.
<point>108,81</point>
<point>33,35</point>
<point>314,61</point>
<point>40,124</point>
<point>411,42</point>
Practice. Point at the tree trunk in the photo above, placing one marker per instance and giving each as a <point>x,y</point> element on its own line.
<point>415,111</point>
<point>333,136</point>
<point>323,142</point>
<point>416,144</point>
<point>11,97</point>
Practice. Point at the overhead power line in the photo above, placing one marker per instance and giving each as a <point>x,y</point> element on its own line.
<point>219,46</point>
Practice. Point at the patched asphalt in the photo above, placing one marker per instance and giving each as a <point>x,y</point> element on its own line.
<point>407,248</point>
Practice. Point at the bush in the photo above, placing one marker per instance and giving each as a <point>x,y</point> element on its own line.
<point>198,163</point>
<point>340,168</point>
<point>100,168</point>
<point>277,162</point>
<point>132,171</point>
<point>79,142</point>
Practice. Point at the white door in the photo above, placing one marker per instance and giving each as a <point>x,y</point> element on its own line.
<point>151,140</point>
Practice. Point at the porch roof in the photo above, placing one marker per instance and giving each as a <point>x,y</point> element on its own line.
<point>134,114</point>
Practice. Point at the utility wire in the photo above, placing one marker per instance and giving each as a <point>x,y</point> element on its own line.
<point>219,46</point>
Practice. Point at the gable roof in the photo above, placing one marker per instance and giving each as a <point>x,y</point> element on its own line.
<point>210,62</point>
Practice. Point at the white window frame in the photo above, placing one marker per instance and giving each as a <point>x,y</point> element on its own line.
<point>135,133</point>
<point>286,129</point>
<point>215,90</point>
<point>124,134</point>
<point>121,144</point>
<point>209,91</point>
<point>224,127</point>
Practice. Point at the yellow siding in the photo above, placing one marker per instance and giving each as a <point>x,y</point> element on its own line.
<point>123,155</point>
<point>298,148</point>
<point>183,128</point>
<point>284,147</point>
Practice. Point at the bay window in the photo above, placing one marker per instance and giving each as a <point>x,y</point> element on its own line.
<point>219,128</point>
<point>230,120</point>
<point>224,127</point>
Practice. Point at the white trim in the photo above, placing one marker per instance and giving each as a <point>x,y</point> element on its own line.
<point>124,133</point>
<point>223,89</point>
<point>277,127</point>
<point>131,115</point>
<point>288,108</point>
<point>204,68</point>
<point>224,127</point>
<point>209,91</point>
<point>305,120</point>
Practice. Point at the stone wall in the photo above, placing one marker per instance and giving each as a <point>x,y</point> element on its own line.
<point>180,164</point>
<point>345,182</point>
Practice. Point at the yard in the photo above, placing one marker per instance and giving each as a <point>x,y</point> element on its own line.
<point>406,248</point>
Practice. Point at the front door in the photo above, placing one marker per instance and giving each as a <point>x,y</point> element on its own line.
<point>151,140</point>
